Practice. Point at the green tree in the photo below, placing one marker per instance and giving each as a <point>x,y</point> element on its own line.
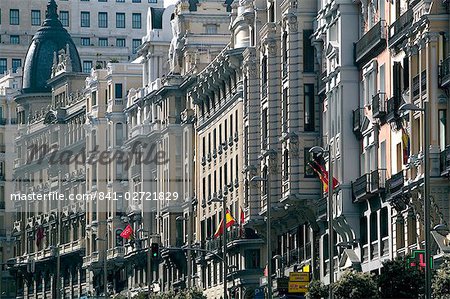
<point>398,279</point>
<point>441,282</point>
<point>355,285</point>
<point>317,290</point>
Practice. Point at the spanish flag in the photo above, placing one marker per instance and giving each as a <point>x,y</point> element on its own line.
<point>406,146</point>
<point>321,177</point>
<point>230,222</point>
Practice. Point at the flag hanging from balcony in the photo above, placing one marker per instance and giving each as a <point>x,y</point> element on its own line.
<point>230,222</point>
<point>127,233</point>
<point>325,175</point>
<point>39,235</point>
<point>406,146</point>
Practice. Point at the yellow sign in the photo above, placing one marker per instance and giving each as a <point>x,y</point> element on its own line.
<point>298,287</point>
<point>306,268</point>
<point>299,276</point>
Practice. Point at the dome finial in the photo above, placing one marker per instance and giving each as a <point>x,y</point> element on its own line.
<point>51,10</point>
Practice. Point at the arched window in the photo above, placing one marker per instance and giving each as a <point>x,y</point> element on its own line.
<point>265,186</point>
<point>119,239</point>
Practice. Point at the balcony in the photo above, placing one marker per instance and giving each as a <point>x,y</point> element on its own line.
<point>371,43</point>
<point>397,31</point>
<point>394,185</point>
<point>116,253</point>
<point>369,185</point>
<point>392,106</point>
<point>322,209</point>
<point>445,161</point>
<point>358,116</point>
<point>444,73</point>
<point>379,105</point>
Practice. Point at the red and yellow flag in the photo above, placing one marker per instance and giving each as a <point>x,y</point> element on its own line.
<point>230,222</point>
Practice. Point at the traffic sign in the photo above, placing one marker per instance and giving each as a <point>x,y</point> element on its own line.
<point>298,286</point>
<point>298,276</point>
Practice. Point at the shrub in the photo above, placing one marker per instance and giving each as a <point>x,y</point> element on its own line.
<point>355,285</point>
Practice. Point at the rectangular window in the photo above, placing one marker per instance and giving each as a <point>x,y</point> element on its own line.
<point>87,66</point>
<point>120,42</point>
<point>120,20</point>
<point>64,18</point>
<point>308,52</point>
<point>136,1</point>
<point>136,21</point>
<point>85,19</point>
<point>309,103</point>
<point>16,63</point>
<point>13,17</point>
<point>136,45</point>
<point>120,1</point>
<point>211,29</point>
<point>152,1</point>
<point>14,39</point>
<point>3,66</point>
<point>118,90</point>
<point>85,41</point>
<point>102,20</point>
<point>35,18</point>
<point>102,42</point>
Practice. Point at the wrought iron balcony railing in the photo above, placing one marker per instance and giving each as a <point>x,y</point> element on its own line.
<point>398,29</point>
<point>371,43</point>
<point>369,185</point>
<point>444,73</point>
<point>379,105</point>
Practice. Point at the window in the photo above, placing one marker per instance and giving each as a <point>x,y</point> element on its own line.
<point>14,39</point>
<point>120,20</point>
<point>16,63</point>
<point>136,45</point>
<point>87,66</point>
<point>94,98</point>
<point>120,42</point>
<point>64,18</point>
<point>363,230</point>
<point>102,42</point>
<point>384,222</point>
<point>85,41</point>
<point>118,90</point>
<point>119,134</point>
<point>136,1</point>
<point>252,259</point>
<point>309,107</point>
<point>308,52</point>
<point>13,17</point>
<point>136,21</point>
<point>442,119</point>
<point>3,66</point>
<point>120,1</point>
<point>85,19</point>
<point>152,1</point>
<point>35,18</point>
<point>265,128</point>
<point>211,29</point>
<point>102,20</point>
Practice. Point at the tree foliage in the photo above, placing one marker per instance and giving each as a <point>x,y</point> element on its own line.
<point>184,294</point>
<point>355,285</point>
<point>399,280</point>
<point>317,290</point>
<point>441,281</point>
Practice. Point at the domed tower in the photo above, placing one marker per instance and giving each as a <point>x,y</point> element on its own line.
<point>49,39</point>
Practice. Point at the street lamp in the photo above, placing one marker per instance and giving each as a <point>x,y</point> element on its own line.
<point>189,242</point>
<point>105,269</point>
<point>224,234</point>
<point>269,234</point>
<point>321,150</point>
<point>427,229</point>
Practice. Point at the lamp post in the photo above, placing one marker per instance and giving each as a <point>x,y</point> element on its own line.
<point>426,162</point>
<point>317,150</point>
<point>224,235</point>
<point>189,242</point>
<point>105,269</point>
<point>269,234</point>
